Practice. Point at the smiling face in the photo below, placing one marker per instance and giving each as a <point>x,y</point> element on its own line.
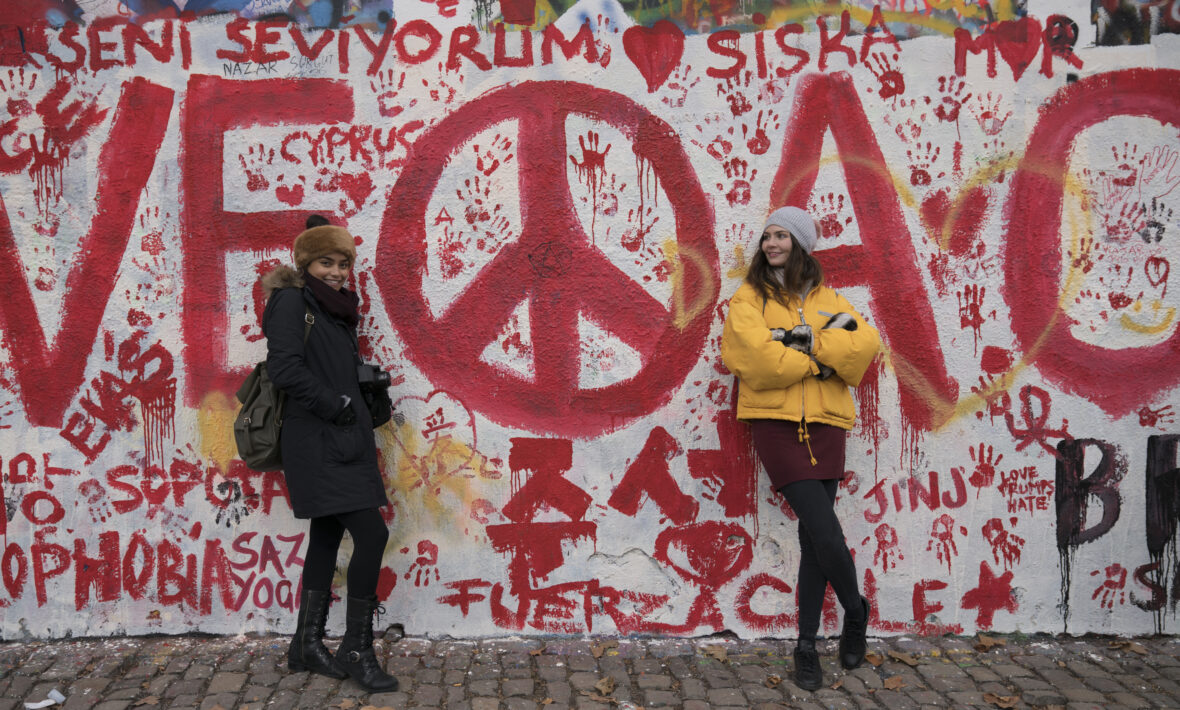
<point>332,269</point>
<point>776,245</point>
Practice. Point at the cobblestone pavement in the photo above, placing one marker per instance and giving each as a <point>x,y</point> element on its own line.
<point>249,672</point>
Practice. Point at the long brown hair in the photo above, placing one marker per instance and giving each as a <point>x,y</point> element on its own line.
<point>801,271</point>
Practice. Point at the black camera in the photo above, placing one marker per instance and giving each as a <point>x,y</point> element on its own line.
<point>371,377</point>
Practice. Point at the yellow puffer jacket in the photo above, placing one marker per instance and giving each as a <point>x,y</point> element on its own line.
<point>777,382</point>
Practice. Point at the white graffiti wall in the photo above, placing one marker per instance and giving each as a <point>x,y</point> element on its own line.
<point>552,205</point>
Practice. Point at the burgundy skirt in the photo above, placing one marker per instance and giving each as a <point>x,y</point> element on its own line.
<point>786,459</point>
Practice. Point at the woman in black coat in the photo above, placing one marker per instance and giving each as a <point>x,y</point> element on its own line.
<point>329,452</point>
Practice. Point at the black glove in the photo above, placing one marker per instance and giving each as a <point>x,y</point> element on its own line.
<point>345,417</point>
<point>379,404</point>
<point>843,321</point>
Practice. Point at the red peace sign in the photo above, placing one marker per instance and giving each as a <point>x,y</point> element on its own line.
<point>554,266</point>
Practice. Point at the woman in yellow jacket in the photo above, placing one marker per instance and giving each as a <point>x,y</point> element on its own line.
<point>797,347</point>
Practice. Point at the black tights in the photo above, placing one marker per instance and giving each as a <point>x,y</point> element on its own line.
<point>369,535</point>
<point>824,557</point>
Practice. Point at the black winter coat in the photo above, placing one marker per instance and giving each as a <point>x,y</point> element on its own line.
<point>329,468</point>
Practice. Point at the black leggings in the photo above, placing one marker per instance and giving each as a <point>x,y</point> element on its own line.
<point>369,535</point>
<point>824,557</point>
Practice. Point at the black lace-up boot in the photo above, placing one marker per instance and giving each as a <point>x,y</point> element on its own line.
<point>356,655</point>
<point>852,639</point>
<point>808,674</point>
<point>307,651</point>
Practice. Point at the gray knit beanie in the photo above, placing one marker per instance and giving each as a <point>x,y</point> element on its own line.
<point>798,223</point>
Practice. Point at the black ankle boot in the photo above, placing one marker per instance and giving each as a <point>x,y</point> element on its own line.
<point>808,674</point>
<point>852,638</point>
<point>356,655</point>
<point>307,651</point>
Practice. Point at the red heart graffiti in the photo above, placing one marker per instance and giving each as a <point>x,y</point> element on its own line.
<point>290,195</point>
<point>1018,42</point>
<point>965,224</point>
<point>655,51</point>
<point>1157,268</point>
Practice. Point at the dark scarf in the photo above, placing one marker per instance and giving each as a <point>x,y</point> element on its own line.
<point>340,304</point>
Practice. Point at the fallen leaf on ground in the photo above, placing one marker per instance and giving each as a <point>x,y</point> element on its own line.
<point>600,648</point>
<point>875,659</point>
<point>905,658</point>
<point>717,652</point>
<point>1130,646</point>
<point>149,700</point>
<point>772,681</point>
<point>548,701</point>
<point>894,682</point>
<point>987,643</point>
<point>837,685</point>
<point>535,652</point>
<point>1001,701</point>
<point>346,703</point>
<point>606,685</point>
<point>375,707</point>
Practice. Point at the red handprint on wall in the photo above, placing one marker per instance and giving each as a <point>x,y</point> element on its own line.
<point>426,565</point>
<point>886,554</point>
<point>985,465</point>
<point>1113,588</point>
<point>942,539</point>
<point>1006,546</point>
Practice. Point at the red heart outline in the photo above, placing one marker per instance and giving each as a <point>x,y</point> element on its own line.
<point>465,428</point>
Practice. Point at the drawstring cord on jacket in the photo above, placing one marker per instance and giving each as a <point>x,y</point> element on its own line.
<point>804,435</point>
<point>805,438</point>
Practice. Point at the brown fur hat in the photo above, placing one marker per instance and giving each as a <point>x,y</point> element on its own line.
<point>320,241</point>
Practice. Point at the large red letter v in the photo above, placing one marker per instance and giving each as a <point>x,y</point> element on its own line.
<point>49,377</point>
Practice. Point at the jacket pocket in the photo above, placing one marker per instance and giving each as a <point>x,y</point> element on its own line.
<point>343,444</point>
<point>832,403</point>
<point>762,399</point>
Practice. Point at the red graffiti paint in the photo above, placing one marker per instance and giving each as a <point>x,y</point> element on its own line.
<point>655,51</point>
<point>535,548</point>
<point>1032,245</point>
<point>212,107</point>
<point>1018,42</point>
<point>649,476</point>
<point>762,622</point>
<point>49,375</point>
<point>731,467</point>
<point>582,42</point>
<point>560,278</point>
<point>99,574</point>
<point>835,43</point>
<point>518,12</point>
<point>993,594</point>
<point>955,226</point>
<point>899,300</point>
<point>463,597</point>
<point>546,460</point>
<point>924,609</point>
<point>709,554</point>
